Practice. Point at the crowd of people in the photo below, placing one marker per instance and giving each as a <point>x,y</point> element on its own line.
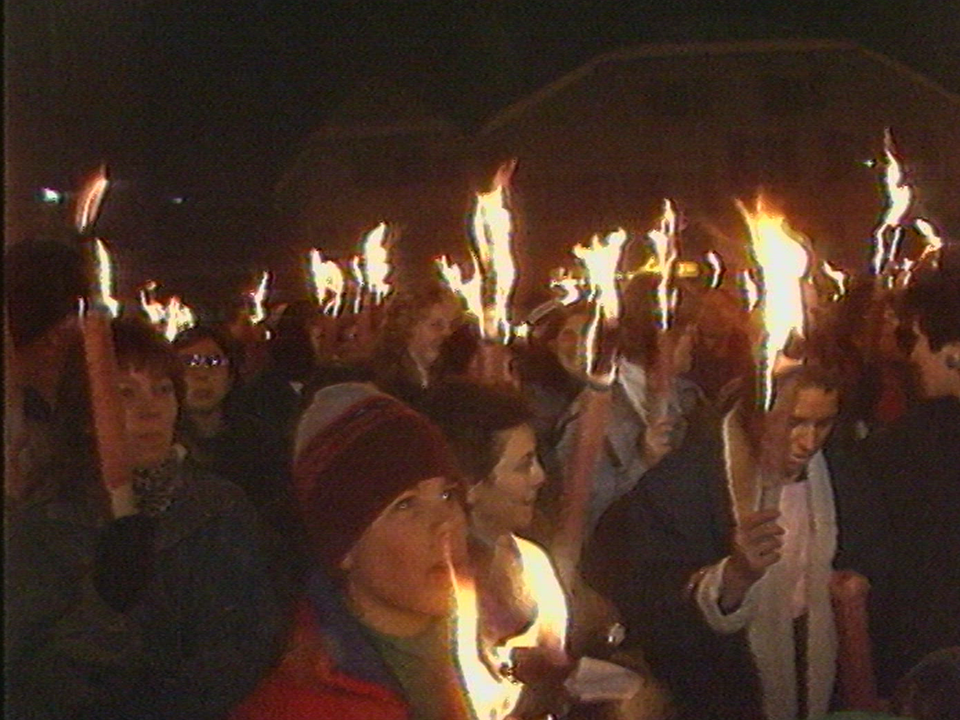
<point>306,498</point>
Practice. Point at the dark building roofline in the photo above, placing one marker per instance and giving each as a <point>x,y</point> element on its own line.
<point>660,50</point>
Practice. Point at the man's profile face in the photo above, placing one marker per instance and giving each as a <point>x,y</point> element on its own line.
<point>811,420</point>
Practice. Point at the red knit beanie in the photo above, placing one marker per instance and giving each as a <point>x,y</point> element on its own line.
<point>357,450</point>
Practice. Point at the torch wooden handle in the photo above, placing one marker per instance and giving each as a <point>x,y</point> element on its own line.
<point>102,371</point>
<point>849,592</point>
<point>578,481</point>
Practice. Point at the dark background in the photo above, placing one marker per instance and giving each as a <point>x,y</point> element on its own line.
<point>196,107</point>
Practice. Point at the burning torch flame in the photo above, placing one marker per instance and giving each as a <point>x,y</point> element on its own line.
<point>89,200</point>
<point>151,306</point>
<point>838,276</point>
<point>179,317</point>
<point>375,264</point>
<point>751,293</point>
<point>600,259</point>
<point>469,290</point>
<point>930,235</point>
<point>899,196</point>
<point>491,693</point>
<point>257,298</point>
<point>327,279</point>
<point>665,248</point>
<point>492,231</point>
<point>568,285</point>
<point>783,262</point>
<point>713,259</point>
<point>104,270</point>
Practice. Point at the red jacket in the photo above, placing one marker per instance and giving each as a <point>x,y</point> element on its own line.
<point>308,686</point>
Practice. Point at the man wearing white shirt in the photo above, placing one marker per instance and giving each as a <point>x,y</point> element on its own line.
<point>775,582</point>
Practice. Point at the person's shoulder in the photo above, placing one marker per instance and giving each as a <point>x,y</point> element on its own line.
<point>212,491</point>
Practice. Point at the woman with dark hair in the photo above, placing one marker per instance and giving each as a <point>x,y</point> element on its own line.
<point>220,438</point>
<point>147,601</point>
<point>417,321</point>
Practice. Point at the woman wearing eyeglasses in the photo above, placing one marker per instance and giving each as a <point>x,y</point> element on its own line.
<point>150,601</point>
<point>235,445</point>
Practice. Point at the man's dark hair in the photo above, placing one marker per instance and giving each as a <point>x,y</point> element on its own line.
<point>43,280</point>
<point>470,416</point>
<point>933,299</point>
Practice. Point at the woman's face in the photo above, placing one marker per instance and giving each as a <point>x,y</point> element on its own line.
<point>149,403</point>
<point>427,335</point>
<point>569,343</point>
<point>398,573</point>
<point>504,502</point>
<point>207,375</point>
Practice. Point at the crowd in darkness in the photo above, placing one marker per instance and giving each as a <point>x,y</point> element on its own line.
<point>303,492</point>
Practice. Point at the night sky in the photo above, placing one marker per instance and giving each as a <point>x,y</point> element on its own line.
<point>196,107</point>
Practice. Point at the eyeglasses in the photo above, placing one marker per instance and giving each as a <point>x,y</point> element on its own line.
<point>205,361</point>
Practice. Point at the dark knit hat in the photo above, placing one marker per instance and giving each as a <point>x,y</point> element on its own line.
<point>356,450</point>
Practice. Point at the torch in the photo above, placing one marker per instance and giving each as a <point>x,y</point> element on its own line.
<point>327,282</point>
<point>490,287</point>
<point>371,269</point>
<point>889,232</point>
<point>101,359</point>
<point>782,260</point>
<point>600,259</point>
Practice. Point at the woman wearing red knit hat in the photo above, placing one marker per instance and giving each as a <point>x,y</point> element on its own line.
<point>380,500</point>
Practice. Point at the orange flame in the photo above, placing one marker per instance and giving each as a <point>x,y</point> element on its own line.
<point>327,280</point>
<point>469,290</point>
<point>492,234</point>
<point>751,293</point>
<point>566,284</point>
<point>257,299</point>
<point>930,235</point>
<point>601,259</point>
<point>89,200</point>
<point>491,692</point>
<point>838,276</point>
<point>899,196</point>
<point>713,259</point>
<point>783,261</point>
<point>178,318</point>
<point>151,306</point>
<point>376,266</point>
<point>664,240</point>
<point>105,283</point>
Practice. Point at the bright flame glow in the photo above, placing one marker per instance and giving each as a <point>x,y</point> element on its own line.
<point>179,317</point>
<point>491,693</point>
<point>492,234</point>
<point>751,293</point>
<point>105,283</point>
<point>566,284</point>
<point>154,309</point>
<point>783,260</point>
<point>327,280</point>
<point>713,259</point>
<point>257,298</point>
<point>375,264</point>
<point>899,197</point>
<point>930,235</point>
<point>664,239</point>
<point>469,290</point>
<point>601,259</point>
<point>838,276</point>
<point>89,200</point>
